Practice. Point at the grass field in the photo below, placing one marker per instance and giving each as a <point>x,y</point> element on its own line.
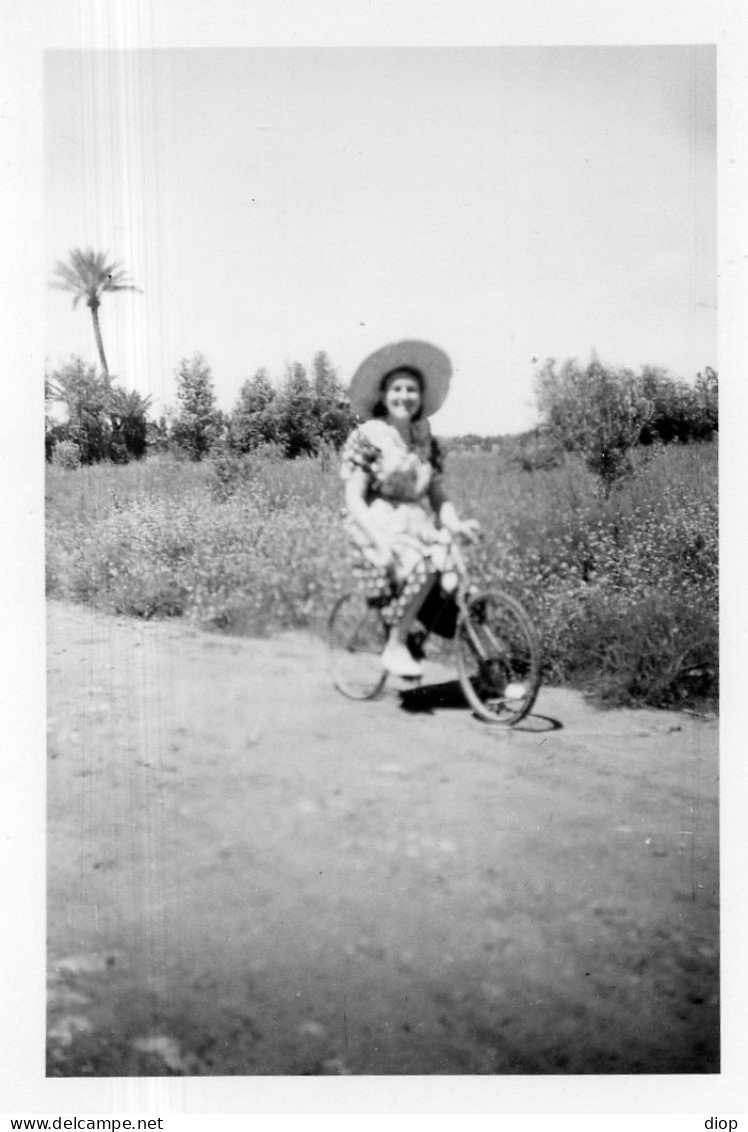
<point>624,590</point>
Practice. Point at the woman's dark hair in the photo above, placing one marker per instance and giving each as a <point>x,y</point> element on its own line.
<point>380,409</point>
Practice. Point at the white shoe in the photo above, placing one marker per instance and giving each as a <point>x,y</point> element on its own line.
<point>515,691</point>
<point>397,660</point>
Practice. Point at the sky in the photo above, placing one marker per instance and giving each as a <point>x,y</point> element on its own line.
<point>509,204</point>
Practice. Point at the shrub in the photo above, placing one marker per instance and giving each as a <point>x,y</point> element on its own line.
<point>538,450</point>
<point>653,647</point>
<point>680,413</point>
<point>597,573</point>
<point>66,454</point>
<point>231,470</point>
<point>262,556</point>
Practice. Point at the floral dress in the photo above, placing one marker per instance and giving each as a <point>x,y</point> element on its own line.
<point>399,478</point>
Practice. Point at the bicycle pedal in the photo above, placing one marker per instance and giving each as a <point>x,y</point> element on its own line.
<point>415,644</point>
<point>409,681</point>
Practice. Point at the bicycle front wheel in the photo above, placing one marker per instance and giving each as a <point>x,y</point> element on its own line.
<point>356,637</point>
<point>498,658</point>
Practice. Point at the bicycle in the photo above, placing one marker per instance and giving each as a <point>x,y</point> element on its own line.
<point>497,647</point>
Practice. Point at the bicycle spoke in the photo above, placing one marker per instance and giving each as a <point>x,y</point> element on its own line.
<point>356,638</point>
<point>498,658</point>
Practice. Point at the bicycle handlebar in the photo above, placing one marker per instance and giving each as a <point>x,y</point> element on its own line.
<point>454,558</point>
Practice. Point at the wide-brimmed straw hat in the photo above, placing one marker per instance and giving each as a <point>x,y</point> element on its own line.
<point>431,362</point>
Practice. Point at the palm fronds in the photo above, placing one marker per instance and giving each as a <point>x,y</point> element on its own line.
<point>89,274</point>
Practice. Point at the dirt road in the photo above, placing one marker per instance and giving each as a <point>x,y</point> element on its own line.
<point>249,874</point>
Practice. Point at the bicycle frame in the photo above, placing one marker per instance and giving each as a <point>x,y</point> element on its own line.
<point>455,563</point>
<point>497,650</point>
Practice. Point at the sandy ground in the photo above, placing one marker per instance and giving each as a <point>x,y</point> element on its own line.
<point>249,874</point>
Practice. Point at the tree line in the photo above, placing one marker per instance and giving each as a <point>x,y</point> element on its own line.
<point>300,415</point>
<point>105,421</point>
<point>604,412</point>
<point>601,412</point>
<point>598,411</point>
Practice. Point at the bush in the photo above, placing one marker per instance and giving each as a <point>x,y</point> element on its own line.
<point>66,454</point>
<point>231,470</point>
<point>597,573</point>
<point>655,648</point>
<point>538,450</point>
<point>270,554</point>
<point>680,413</point>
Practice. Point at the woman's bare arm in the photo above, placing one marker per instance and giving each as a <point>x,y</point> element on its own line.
<point>445,509</point>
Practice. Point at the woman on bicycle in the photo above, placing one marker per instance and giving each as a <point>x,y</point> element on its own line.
<point>394,489</point>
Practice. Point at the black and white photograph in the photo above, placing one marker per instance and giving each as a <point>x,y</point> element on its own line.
<point>380,543</point>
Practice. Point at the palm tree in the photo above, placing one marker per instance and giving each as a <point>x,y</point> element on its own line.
<point>127,411</point>
<point>88,275</point>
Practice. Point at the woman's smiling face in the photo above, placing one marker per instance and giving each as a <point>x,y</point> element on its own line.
<point>402,396</point>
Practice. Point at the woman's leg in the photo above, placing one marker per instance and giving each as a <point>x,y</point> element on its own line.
<point>410,602</point>
<point>400,617</point>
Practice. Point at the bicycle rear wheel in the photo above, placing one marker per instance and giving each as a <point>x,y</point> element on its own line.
<point>498,658</point>
<point>356,637</point>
